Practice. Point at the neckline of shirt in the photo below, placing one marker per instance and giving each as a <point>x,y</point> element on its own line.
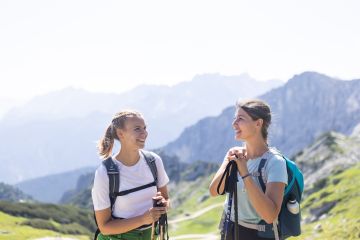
<point>269,151</point>
<point>120,164</point>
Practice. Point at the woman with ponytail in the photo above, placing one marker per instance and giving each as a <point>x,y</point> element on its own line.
<point>253,205</point>
<point>132,214</point>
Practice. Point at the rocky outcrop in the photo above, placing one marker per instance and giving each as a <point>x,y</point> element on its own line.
<point>330,153</point>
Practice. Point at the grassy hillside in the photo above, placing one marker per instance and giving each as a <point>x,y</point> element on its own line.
<point>191,198</point>
<point>20,220</point>
<point>331,212</point>
<point>12,228</point>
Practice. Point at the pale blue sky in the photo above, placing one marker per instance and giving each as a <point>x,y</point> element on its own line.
<point>115,45</point>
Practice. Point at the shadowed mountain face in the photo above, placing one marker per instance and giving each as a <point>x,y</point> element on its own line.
<point>308,105</point>
<point>57,132</point>
<point>13,194</point>
<point>51,188</point>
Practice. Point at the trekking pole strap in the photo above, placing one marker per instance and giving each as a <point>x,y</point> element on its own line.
<point>230,186</point>
<point>276,231</point>
<point>230,177</point>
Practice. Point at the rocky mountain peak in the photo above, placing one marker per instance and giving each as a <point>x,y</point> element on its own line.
<point>307,106</point>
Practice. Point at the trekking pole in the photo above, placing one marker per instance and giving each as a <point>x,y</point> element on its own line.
<point>153,225</point>
<point>163,225</point>
<point>234,173</point>
<point>230,177</point>
<point>161,222</point>
<point>153,231</point>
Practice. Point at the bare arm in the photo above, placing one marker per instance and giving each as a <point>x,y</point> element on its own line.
<point>216,180</point>
<point>166,200</point>
<point>267,204</point>
<point>108,226</point>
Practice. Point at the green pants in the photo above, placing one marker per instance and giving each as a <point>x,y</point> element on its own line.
<point>132,235</point>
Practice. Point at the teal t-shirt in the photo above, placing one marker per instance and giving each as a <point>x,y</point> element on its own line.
<point>275,171</point>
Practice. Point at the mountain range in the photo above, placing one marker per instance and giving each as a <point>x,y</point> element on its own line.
<point>13,194</point>
<point>51,188</point>
<point>58,131</point>
<point>316,122</point>
<point>308,105</point>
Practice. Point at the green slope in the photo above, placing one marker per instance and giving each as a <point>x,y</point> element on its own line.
<point>11,228</point>
<point>33,220</point>
<point>342,220</point>
<point>193,197</point>
<point>339,222</point>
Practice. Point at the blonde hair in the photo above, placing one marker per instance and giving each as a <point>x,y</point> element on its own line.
<point>106,143</point>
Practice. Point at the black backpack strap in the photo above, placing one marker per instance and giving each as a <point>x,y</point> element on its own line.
<point>125,192</point>
<point>150,160</point>
<point>114,180</point>
<point>96,234</point>
<point>260,177</point>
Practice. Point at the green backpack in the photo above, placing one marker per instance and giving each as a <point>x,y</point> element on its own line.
<point>289,219</point>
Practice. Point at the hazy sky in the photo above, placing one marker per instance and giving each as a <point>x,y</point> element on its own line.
<point>115,45</point>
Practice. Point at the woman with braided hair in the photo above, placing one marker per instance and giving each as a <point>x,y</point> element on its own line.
<point>255,207</point>
<point>132,213</point>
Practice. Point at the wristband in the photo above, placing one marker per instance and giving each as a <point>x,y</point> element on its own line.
<point>243,177</point>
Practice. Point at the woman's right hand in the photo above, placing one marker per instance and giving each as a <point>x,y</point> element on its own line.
<point>235,152</point>
<point>238,154</point>
<point>231,155</point>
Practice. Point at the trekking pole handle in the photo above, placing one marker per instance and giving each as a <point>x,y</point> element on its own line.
<point>153,226</point>
<point>156,204</point>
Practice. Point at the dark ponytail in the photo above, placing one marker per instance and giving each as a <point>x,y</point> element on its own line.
<point>257,109</point>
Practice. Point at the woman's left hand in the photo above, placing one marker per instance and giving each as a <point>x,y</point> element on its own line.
<point>161,200</point>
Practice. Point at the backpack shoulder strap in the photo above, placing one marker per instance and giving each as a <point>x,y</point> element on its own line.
<point>150,160</point>
<point>262,165</point>
<point>260,171</point>
<point>114,180</point>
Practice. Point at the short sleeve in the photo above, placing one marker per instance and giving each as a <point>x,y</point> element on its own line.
<point>277,170</point>
<point>163,178</point>
<point>100,190</point>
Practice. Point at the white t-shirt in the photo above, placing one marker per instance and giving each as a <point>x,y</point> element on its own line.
<point>133,204</point>
<point>275,171</point>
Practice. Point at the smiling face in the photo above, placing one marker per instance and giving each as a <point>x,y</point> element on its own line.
<point>133,134</point>
<point>245,127</point>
